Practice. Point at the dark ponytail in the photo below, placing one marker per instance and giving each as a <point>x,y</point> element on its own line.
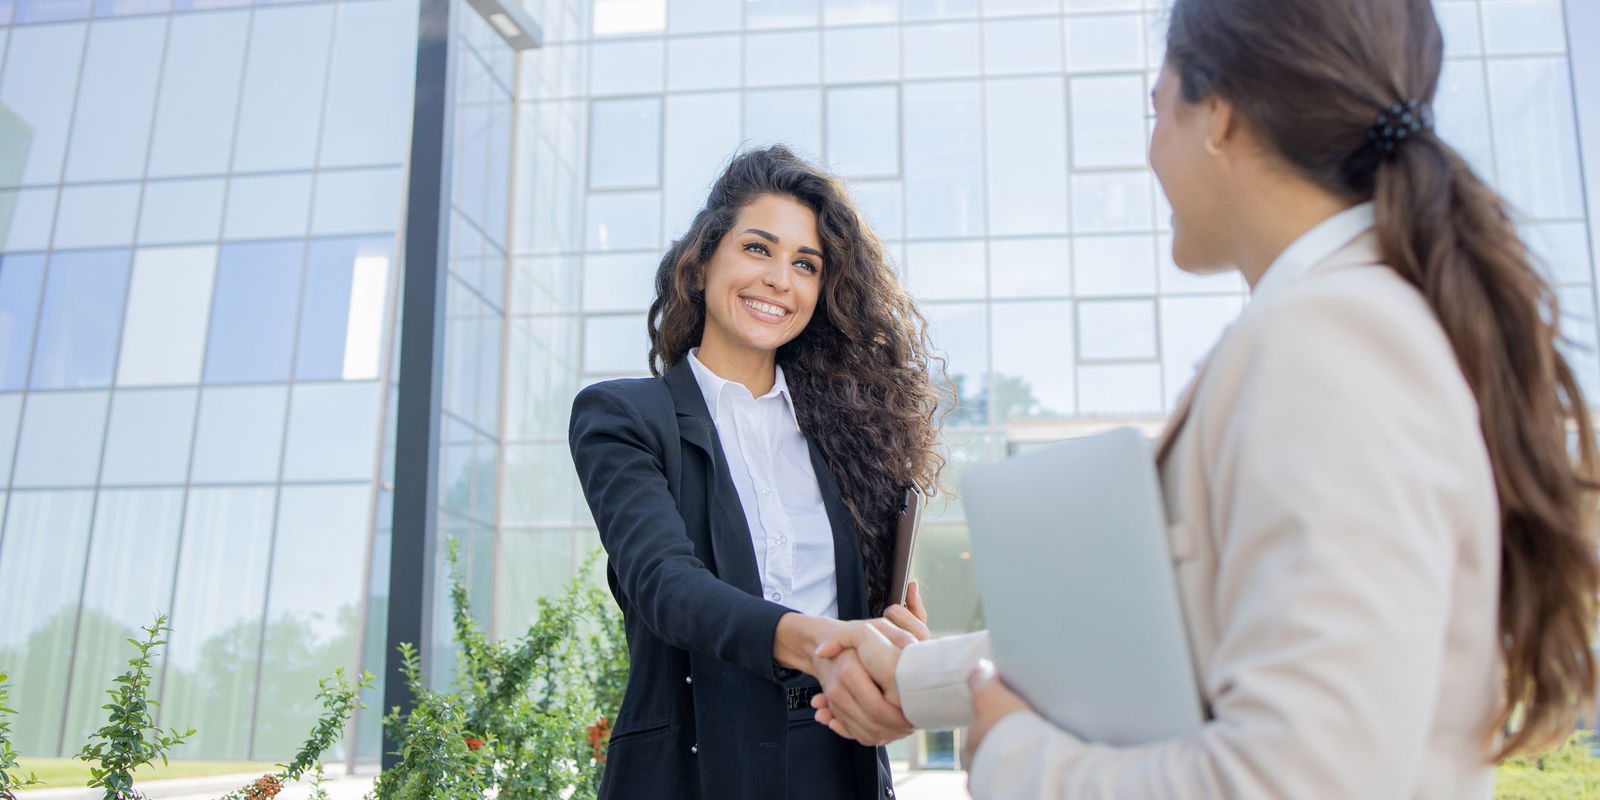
<point>1310,77</point>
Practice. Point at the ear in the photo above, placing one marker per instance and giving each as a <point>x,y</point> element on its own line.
<point>1222,124</point>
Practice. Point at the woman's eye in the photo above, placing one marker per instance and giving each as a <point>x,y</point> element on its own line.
<point>807,266</point>
<point>756,247</point>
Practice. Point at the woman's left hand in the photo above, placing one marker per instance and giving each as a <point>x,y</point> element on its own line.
<point>992,701</point>
<point>913,616</point>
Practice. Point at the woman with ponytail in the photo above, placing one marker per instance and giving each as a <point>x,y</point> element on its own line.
<point>1380,484</point>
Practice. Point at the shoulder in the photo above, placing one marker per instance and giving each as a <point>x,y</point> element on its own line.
<point>623,401</point>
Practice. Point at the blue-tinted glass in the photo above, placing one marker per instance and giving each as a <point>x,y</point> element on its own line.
<point>943,160</point>
<point>177,212</point>
<point>341,322</point>
<point>358,201</point>
<point>788,116</point>
<point>625,143</point>
<point>111,128</point>
<point>21,278</point>
<point>497,183</point>
<point>192,5</point>
<point>97,215</point>
<point>864,131</point>
<point>148,438</point>
<point>51,10</point>
<point>333,432</point>
<point>41,608</point>
<point>282,101</point>
<point>199,94</point>
<point>118,8</point>
<point>27,214</point>
<point>82,315</point>
<point>268,206</point>
<point>1027,147</point>
<point>702,130</point>
<point>10,415</point>
<point>369,89</point>
<point>239,437</point>
<point>253,312</point>
<point>41,75</point>
<point>60,440</point>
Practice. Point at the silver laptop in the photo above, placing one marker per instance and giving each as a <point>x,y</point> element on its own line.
<point>1069,545</point>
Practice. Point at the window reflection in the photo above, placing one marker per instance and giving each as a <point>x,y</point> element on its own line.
<point>370,84</point>
<point>240,434</point>
<point>21,281</point>
<point>281,104</point>
<point>1033,359</point>
<point>943,160</point>
<point>60,440</point>
<point>861,54</point>
<point>252,318</point>
<point>1116,329</point>
<point>1027,156</point>
<point>80,319</point>
<point>168,303</point>
<point>625,147</point>
<point>110,128</point>
<point>199,94</point>
<point>864,131</point>
<point>779,59</point>
<point>40,78</point>
<point>791,117</point>
<point>1022,46</point>
<point>97,215</point>
<point>343,309</point>
<point>147,441</point>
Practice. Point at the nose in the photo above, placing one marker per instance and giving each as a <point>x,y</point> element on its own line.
<point>777,277</point>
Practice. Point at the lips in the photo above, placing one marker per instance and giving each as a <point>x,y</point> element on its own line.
<point>764,308</point>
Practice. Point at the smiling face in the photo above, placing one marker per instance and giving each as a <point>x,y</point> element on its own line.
<point>762,283</point>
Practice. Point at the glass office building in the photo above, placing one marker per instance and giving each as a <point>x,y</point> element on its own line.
<point>201,210</point>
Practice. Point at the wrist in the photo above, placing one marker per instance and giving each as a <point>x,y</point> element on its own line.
<point>795,639</point>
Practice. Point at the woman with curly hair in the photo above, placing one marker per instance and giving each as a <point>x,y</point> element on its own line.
<point>747,495</point>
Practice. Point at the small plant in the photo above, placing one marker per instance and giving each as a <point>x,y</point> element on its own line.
<point>1569,772</point>
<point>130,738</point>
<point>339,700</point>
<point>10,778</point>
<point>436,762</point>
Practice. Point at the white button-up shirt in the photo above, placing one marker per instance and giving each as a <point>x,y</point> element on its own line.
<point>770,462</point>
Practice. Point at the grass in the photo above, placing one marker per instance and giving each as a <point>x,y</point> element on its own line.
<point>1570,772</point>
<point>62,772</point>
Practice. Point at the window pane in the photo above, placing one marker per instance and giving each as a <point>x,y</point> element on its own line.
<point>1462,106</point>
<point>781,13</point>
<point>615,344</point>
<point>199,94</point>
<point>21,279</point>
<point>1119,389</point>
<point>281,104</point>
<point>1189,328</point>
<point>41,74</point>
<point>217,623</point>
<point>333,432</point>
<point>1104,111</point>
<point>27,226</point>
<point>540,486</point>
<point>701,16</point>
<point>532,564</point>
<point>702,132</point>
<point>369,88</point>
<point>82,314</point>
<point>1114,265</point>
<point>855,12</point>
<point>1116,329</point>
<point>97,216</point>
<point>148,441</point>
<point>1027,147</point>
<point>181,212</point>
<point>119,8</point>
<point>1033,359</point>
<point>131,559</point>
<point>940,9</point>
<point>358,201</point>
<point>1523,26</point>
<point>1112,201</point>
<point>993,8</point>
<point>1535,138</point>
<point>862,54</point>
<point>943,160</point>
<point>703,62</point>
<point>268,206</point>
<point>41,608</point>
<point>1100,5</point>
<point>1459,23</point>
<point>621,282</point>
<point>313,608</point>
<point>625,144</point>
<point>882,204</point>
<point>1024,268</point>
<point>619,17</point>
<point>10,416</point>
<point>542,377</point>
<point>240,434</point>
<point>864,131</point>
<point>1560,250</point>
<point>785,59</point>
<point>941,51</point>
<point>115,100</point>
<point>252,317</point>
<point>341,322</point>
<point>168,301</point>
<point>51,10</point>
<point>624,220</point>
<point>1105,43</point>
<point>946,270</point>
<point>1011,48</point>
<point>626,67</point>
<point>792,117</point>
<point>960,331</point>
<point>60,440</point>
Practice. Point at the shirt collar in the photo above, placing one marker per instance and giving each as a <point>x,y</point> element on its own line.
<point>1313,247</point>
<point>713,385</point>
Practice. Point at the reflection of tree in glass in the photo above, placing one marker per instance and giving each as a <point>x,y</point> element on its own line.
<point>1013,397</point>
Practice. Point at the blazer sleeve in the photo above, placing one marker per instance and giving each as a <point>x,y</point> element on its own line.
<point>620,468</point>
<point>1335,450</point>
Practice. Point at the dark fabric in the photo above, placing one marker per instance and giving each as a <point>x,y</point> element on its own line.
<point>704,713</point>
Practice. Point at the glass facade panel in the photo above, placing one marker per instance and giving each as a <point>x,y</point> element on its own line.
<point>282,98</point>
<point>619,282</point>
<point>783,59</point>
<point>169,300</point>
<point>1119,389</point>
<point>791,117</point>
<point>116,96</point>
<point>942,51</point>
<point>268,206</point>
<point>1520,27</point>
<point>1536,145</point>
<point>1116,330</point>
<point>10,417</point>
<point>97,216</point>
<point>33,213</point>
<point>60,440</point>
<point>240,434</point>
<point>943,159</point>
<point>1026,138</point>
<point>861,54</point>
<point>624,220</point>
<point>711,62</point>
<point>147,441</point>
<point>21,283</point>
<point>625,144</point>
<point>1104,111</point>
<point>702,16</point>
<point>343,307</point>
<point>1114,265</point>
<point>864,131</point>
<point>333,432</point>
<point>1016,47</point>
<point>1033,345</point>
<point>946,270</point>
<point>1022,268</point>
<point>199,94</point>
<point>80,319</point>
<point>214,656</point>
<point>253,313</point>
<point>41,607</point>
<point>632,67</point>
<point>181,212</point>
<point>368,116</point>
<point>357,201</point>
<point>38,87</point>
<point>1097,43</point>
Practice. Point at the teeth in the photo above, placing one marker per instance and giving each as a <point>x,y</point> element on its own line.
<point>766,308</point>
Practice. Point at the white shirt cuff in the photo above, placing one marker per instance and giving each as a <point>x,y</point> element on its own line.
<point>932,680</point>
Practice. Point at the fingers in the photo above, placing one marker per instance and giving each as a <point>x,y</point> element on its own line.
<point>856,704</point>
<point>897,634</point>
<point>908,621</point>
<point>914,601</point>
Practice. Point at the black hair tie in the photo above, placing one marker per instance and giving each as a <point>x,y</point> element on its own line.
<point>1397,123</point>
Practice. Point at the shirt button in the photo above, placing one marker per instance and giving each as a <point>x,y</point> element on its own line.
<point>694,749</point>
<point>776,596</point>
<point>778,540</point>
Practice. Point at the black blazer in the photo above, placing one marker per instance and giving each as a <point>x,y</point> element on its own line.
<point>704,714</point>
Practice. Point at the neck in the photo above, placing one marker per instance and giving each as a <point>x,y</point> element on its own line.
<point>1273,215</point>
<point>756,370</point>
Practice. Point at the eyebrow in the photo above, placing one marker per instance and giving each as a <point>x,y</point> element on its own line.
<point>774,239</point>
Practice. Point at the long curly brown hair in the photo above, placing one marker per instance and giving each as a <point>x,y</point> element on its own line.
<point>861,373</point>
<point>1309,76</point>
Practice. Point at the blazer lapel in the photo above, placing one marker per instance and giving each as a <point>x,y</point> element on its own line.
<point>734,555</point>
<point>848,576</point>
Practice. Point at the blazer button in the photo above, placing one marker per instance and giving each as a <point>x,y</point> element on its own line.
<point>694,749</point>
<point>688,679</point>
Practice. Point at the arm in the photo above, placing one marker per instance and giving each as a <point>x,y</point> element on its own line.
<point>620,469</point>
<point>1332,468</point>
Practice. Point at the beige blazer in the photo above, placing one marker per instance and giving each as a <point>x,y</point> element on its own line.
<point>1334,531</point>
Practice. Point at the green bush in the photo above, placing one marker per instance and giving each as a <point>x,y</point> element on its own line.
<point>130,739</point>
<point>1570,772</point>
<point>10,777</point>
